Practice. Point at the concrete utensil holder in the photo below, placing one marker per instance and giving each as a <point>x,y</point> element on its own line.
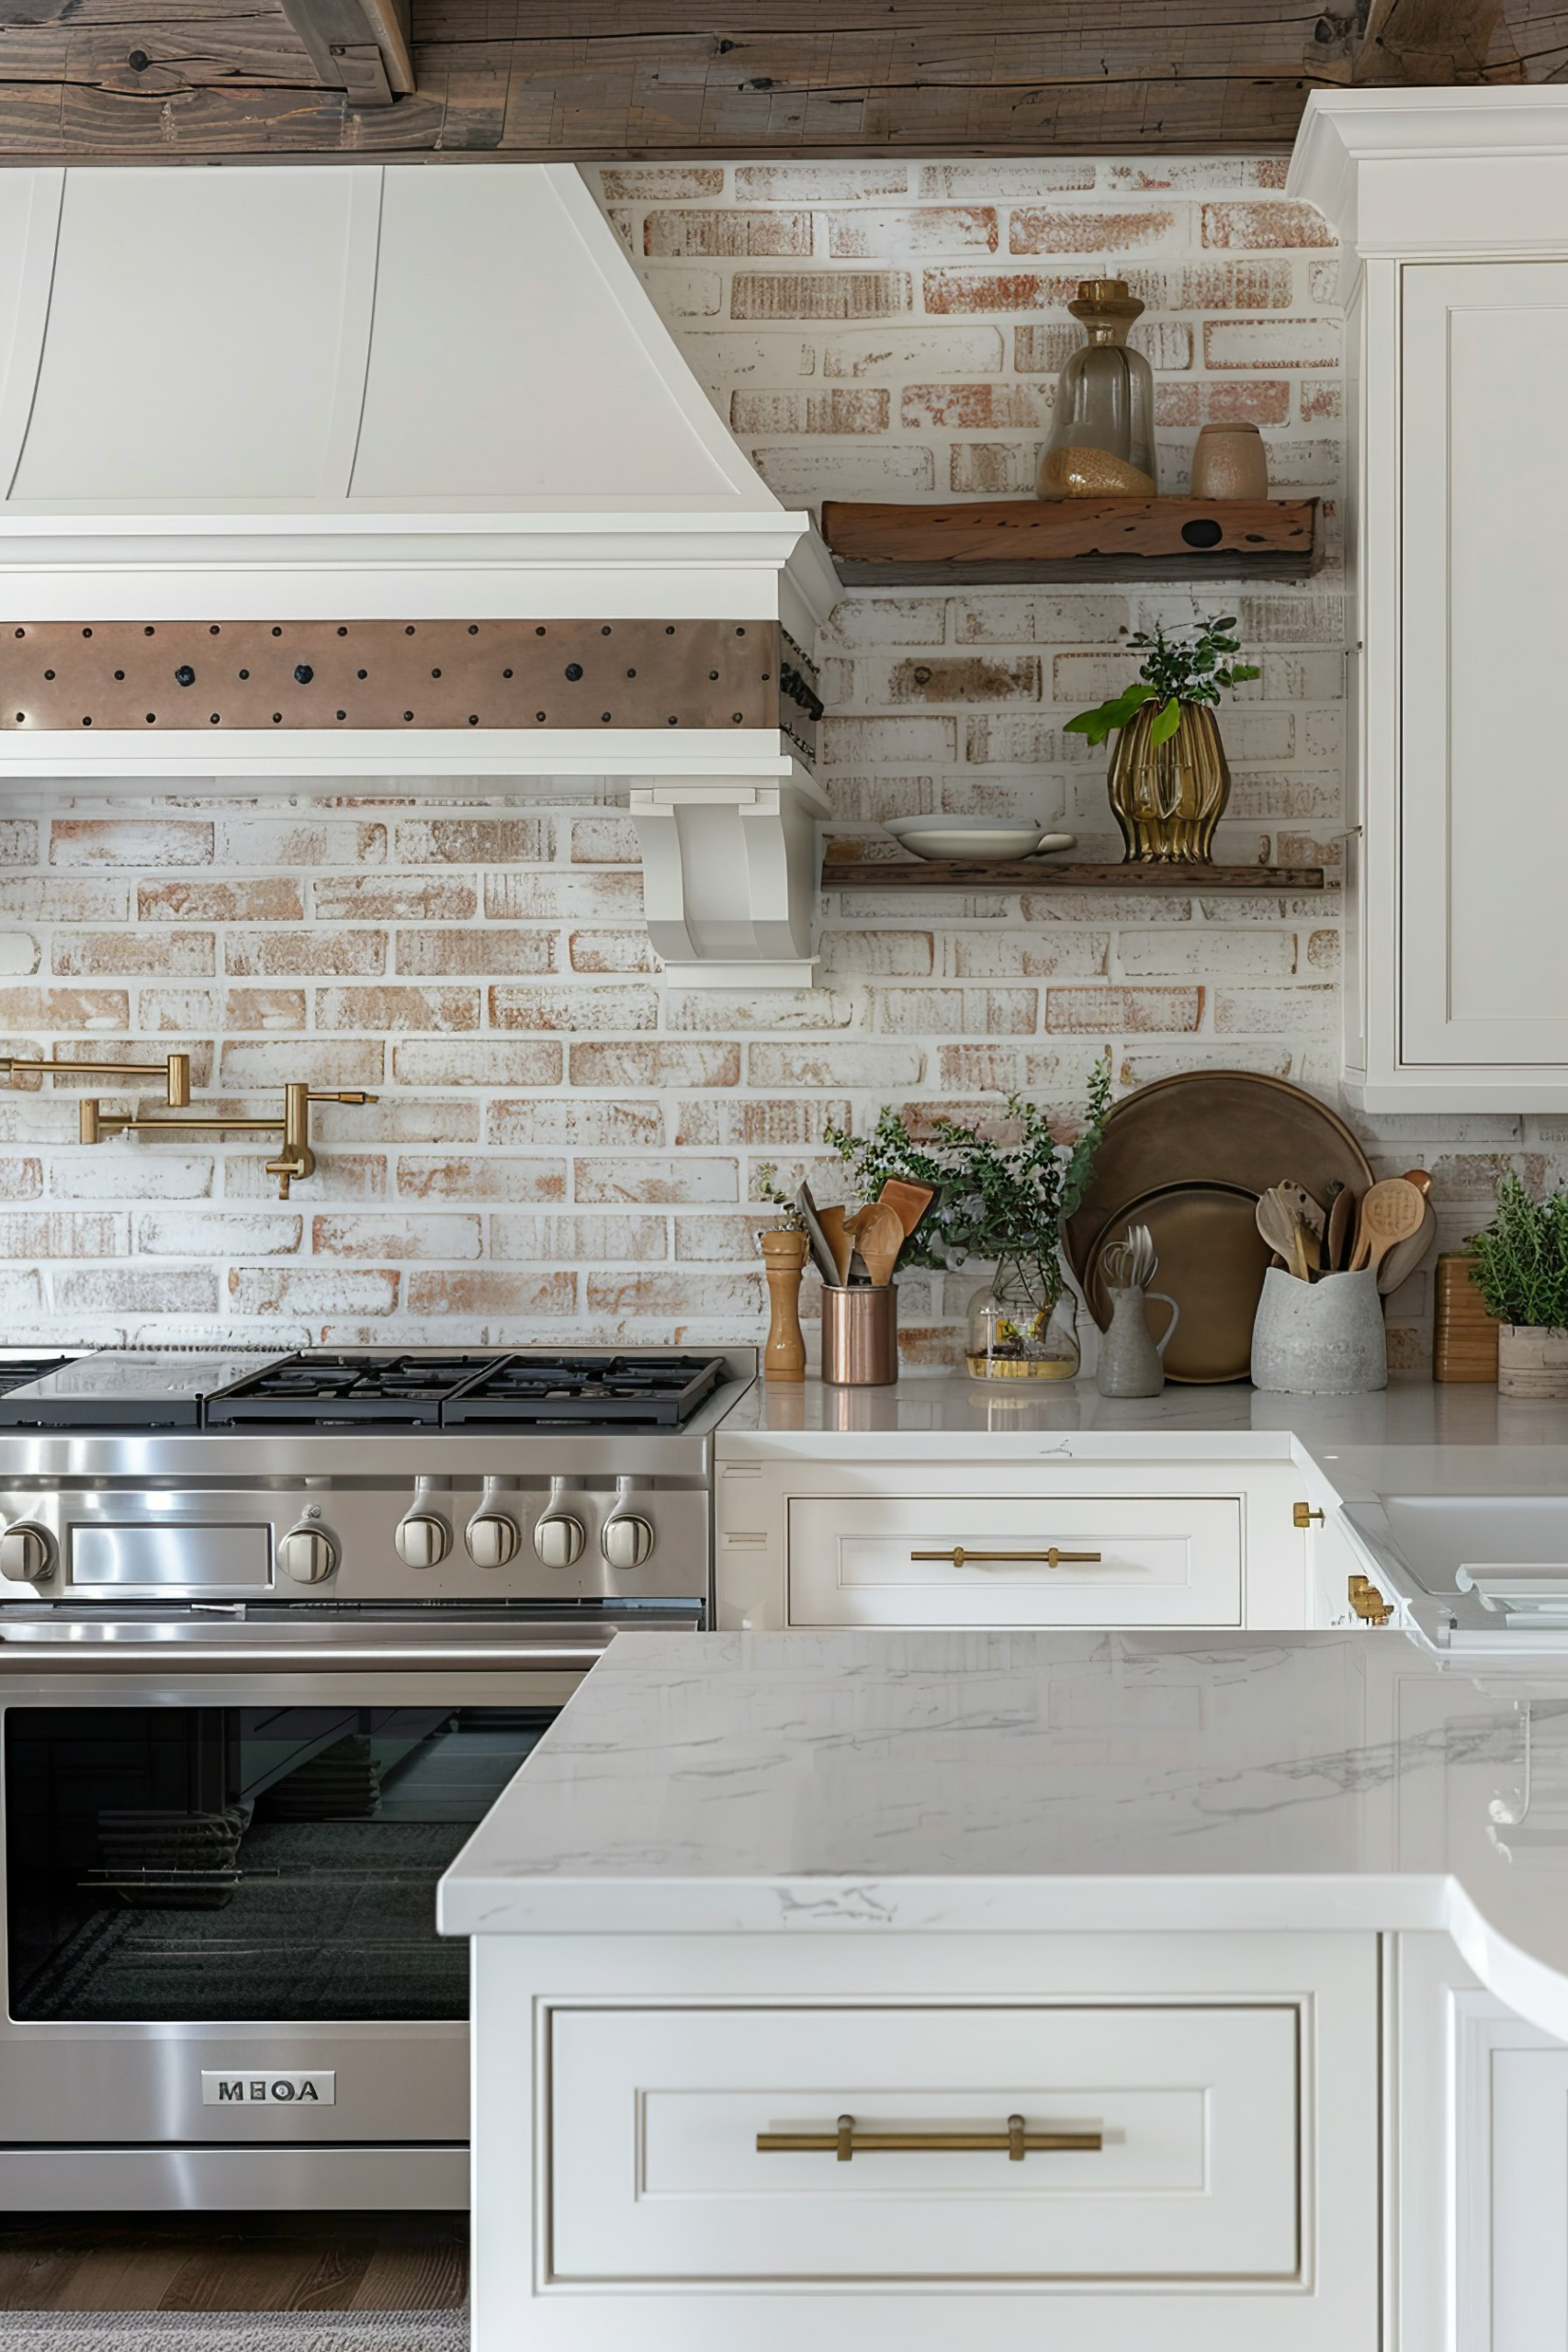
<point>1322,1338</point>
<point>859,1336</point>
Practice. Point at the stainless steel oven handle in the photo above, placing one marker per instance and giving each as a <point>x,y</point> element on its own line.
<point>191,1657</point>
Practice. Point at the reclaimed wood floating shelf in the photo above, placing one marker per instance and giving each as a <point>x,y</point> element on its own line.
<point>1054,873</point>
<point>991,542</point>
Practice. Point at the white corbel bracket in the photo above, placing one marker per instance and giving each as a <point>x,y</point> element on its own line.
<point>730,867</point>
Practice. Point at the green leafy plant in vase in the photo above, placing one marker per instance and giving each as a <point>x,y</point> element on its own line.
<point>1521,1271</point>
<point>1005,1202</point>
<point>1168,780</point>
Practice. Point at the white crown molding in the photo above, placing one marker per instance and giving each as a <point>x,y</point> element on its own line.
<point>1407,172</point>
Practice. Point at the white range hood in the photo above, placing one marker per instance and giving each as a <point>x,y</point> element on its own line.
<point>393,472</point>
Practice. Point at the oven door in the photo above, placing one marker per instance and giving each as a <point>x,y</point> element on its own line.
<point>222,1842</point>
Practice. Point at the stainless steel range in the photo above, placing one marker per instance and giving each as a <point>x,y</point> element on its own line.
<point>274,1633</point>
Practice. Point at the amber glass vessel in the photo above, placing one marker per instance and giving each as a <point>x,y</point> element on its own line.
<point>1102,433</point>
<point>1167,797</point>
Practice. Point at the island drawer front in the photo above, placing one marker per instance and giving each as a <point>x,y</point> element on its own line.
<point>655,2173</point>
<point>946,1560</point>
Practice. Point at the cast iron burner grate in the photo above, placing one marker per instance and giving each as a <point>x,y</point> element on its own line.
<point>334,1392</point>
<point>466,1391</point>
<point>651,1392</point>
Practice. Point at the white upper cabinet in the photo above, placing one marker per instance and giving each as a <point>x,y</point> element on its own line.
<point>1484,800</point>
<point>1455,203</point>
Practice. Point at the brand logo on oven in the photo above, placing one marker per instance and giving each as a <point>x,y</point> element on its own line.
<point>268,2089</point>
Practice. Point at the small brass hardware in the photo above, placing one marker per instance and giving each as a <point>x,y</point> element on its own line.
<point>845,2143</point>
<point>1368,1601</point>
<point>1303,1515</point>
<point>295,1161</point>
<point>961,1558</point>
<point>174,1072</point>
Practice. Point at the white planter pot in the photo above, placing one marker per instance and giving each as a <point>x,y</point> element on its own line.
<point>1531,1360</point>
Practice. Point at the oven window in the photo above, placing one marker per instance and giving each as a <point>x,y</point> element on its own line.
<point>234,1863</point>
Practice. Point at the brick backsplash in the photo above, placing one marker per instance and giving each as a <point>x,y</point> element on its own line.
<point>562,1144</point>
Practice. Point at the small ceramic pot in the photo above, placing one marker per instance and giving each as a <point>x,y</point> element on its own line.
<point>1322,1338</point>
<point>1531,1362</point>
<point>1230,461</point>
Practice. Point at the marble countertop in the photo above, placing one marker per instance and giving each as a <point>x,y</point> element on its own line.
<point>825,1784</point>
<point>958,1418</point>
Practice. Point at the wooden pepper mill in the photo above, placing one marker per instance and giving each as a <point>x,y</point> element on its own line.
<point>784,1258</point>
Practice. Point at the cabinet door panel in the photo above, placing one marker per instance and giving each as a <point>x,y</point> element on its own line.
<point>1484,812</point>
<point>1027,1560</point>
<point>657,2173</point>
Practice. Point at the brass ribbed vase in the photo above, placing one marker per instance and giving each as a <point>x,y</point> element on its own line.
<point>1167,797</point>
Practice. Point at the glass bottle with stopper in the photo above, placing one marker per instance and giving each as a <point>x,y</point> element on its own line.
<point>1103,437</point>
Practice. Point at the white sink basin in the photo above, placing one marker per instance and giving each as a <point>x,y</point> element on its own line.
<point>1497,1564</point>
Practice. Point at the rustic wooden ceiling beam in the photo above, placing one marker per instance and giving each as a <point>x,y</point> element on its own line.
<point>601,80</point>
<point>1433,43</point>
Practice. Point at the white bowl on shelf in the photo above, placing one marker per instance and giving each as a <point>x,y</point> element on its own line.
<point>992,841</point>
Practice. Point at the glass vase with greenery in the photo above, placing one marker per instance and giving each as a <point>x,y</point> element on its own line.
<point>1170,780</point>
<point>1003,1201</point>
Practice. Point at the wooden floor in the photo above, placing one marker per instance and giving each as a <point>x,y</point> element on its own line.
<point>223,2262</point>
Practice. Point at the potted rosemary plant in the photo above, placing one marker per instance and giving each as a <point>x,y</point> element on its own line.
<point>1521,1271</point>
<point>1170,780</point>
<point>1001,1201</point>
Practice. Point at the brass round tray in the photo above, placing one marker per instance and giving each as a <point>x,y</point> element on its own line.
<point>1225,1126</point>
<point>1212,1261</point>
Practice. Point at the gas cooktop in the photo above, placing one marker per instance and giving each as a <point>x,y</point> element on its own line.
<point>505,1390</point>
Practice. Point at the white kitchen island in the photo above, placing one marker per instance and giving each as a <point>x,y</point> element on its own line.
<point>1166,1951</point>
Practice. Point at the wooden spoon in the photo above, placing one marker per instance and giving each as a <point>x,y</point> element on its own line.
<point>1341,1212</point>
<point>879,1236</point>
<point>1303,1206</point>
<point>1421,1180</point>
<point>1393,1210</point>
<point>832,1224</point>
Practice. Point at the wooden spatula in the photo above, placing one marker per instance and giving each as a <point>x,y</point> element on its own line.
<point>832,1224</point>
<point>878,1236</point>
<point>909,1202</point>
<point>1336,1239</point>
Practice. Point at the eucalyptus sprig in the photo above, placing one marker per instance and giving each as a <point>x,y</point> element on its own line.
<point>1522,1259</point>
<point>1179,670</point>
<point>993,1201</point>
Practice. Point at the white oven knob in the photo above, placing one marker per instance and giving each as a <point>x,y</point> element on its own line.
<point>308,1554</point>
<point>558,1539</point>
<point>493,1539</point>
<point>422,1542</point>
<point>627,1539</point>
<point>27,1554</point>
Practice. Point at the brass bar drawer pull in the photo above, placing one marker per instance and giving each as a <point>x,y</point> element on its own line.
<point>961,1558</point>
<point>1015,2142</point>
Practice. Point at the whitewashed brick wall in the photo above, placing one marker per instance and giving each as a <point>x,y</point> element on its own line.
<point>563,1146</point>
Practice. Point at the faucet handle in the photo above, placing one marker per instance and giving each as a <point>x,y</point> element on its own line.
<point>316,1096</point>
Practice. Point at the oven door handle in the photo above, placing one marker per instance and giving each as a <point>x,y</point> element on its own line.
<point>574,1656</point>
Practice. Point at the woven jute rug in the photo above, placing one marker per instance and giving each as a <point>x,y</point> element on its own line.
<point>235,2331</point>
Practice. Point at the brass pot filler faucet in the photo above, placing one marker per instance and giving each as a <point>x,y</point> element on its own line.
<point>295,1161</point>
